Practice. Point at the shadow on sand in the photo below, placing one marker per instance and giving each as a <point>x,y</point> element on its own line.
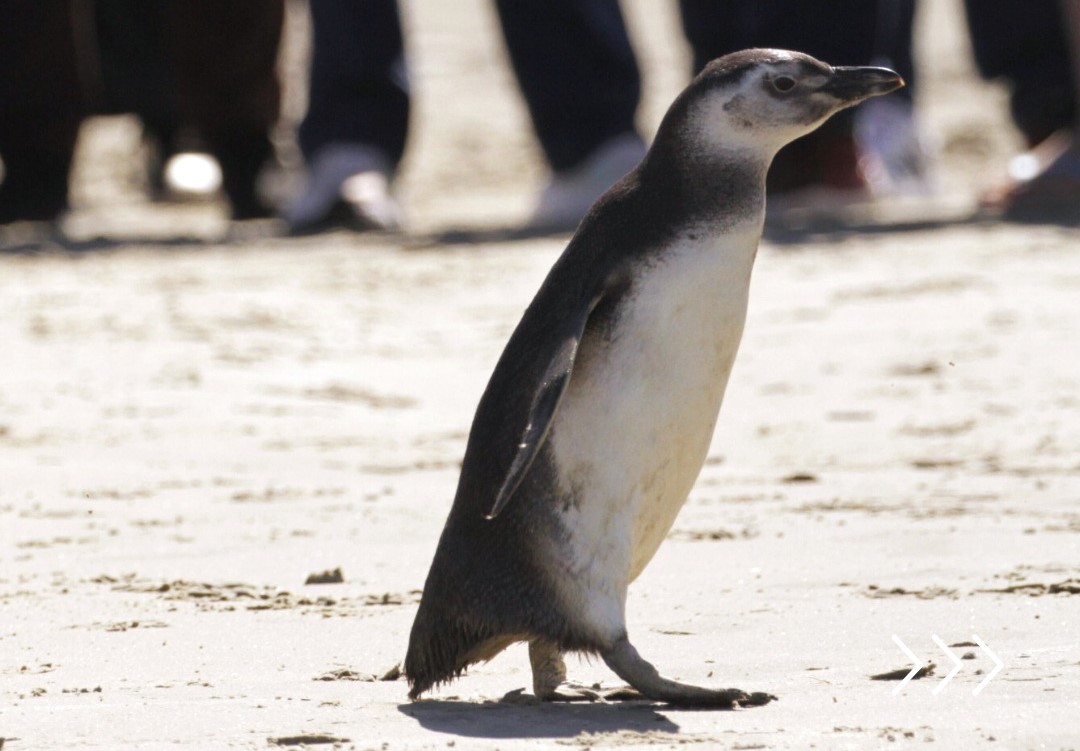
<point>30,238</point>
<point>784,231</point>
<point>788,230</point>
<point>539,720</point>
<point>823,229</point>
<point>480,236</point>
<point>61,244</point>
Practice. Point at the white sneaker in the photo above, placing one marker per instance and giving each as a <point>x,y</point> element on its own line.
<point>569,195</point>
<point>348,185</point>
<point>893,154</point>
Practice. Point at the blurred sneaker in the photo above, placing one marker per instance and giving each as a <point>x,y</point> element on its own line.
<point>570,194</point>
<point>1043,185</point>
<point>893,155</point>
<point>34,187</point>
<point>348,186</point>
<point>190,175</point>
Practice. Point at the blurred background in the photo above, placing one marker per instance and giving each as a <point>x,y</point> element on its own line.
<point>176,107</point>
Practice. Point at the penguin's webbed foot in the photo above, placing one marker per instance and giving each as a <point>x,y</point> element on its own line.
<point>757,699</point>
<point>639,673</point>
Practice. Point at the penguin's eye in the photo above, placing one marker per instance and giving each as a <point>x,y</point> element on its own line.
<point>783,84</point>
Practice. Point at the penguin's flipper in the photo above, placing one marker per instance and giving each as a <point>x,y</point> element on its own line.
<point>548,395</point>
<point>540,417</point>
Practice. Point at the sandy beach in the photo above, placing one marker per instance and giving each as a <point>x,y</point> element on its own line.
<point>193,421</point>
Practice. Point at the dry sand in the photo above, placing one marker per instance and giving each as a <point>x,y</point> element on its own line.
<point>189,430</point>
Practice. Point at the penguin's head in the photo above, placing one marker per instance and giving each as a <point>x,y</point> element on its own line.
<point>762,99</point>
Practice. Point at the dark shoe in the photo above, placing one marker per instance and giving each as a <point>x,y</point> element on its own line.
<point>34,188</point>
<point>242,157</point>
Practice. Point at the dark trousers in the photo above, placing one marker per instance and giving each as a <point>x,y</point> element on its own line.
<point>573,60</point>
<point>225,58</point>
<point>840,32</point>
<point>576,70</point>
<point>570,56</point>
<point>359,83</point>
<point>206,64</point>
<point>40,106</point>
<point>1024,42</point>
<point>580,80</point>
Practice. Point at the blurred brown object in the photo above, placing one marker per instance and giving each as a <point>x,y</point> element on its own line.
<point>41,106</point>
<point>227,89</point>
<point>183,66</point>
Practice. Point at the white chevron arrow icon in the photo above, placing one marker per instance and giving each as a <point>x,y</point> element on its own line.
<point>956,664</point>
<point>998,665</point>
<point>915,661</point>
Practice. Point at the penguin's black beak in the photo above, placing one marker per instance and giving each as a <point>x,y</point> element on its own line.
<point>853,84</point>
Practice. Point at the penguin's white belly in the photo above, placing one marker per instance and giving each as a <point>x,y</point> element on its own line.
<point>633,429</point>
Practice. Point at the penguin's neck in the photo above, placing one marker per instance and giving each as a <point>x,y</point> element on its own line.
<point>721,187</point>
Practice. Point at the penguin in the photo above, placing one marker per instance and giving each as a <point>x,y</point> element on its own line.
<point>598,416</point>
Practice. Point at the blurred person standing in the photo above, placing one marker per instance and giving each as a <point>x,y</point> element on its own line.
<point>204,66</point>
<point>579,76</point>
<point>41,106</point>
<point>1034,46</point>
<point>224,53</point>
<point>571,57</point>
<point>354,132</point>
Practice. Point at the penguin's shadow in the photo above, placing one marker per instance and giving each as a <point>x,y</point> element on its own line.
<point>540,720</point>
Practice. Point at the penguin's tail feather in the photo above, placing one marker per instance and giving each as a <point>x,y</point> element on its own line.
<point>441,648</point>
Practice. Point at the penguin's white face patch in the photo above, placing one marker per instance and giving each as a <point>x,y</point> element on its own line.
<point>769,106</point>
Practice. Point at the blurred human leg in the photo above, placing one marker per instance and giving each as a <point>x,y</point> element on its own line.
<point>1035,47</point>
<point>580,80</point>
<point>354,133</point>
<point>41,106</point>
